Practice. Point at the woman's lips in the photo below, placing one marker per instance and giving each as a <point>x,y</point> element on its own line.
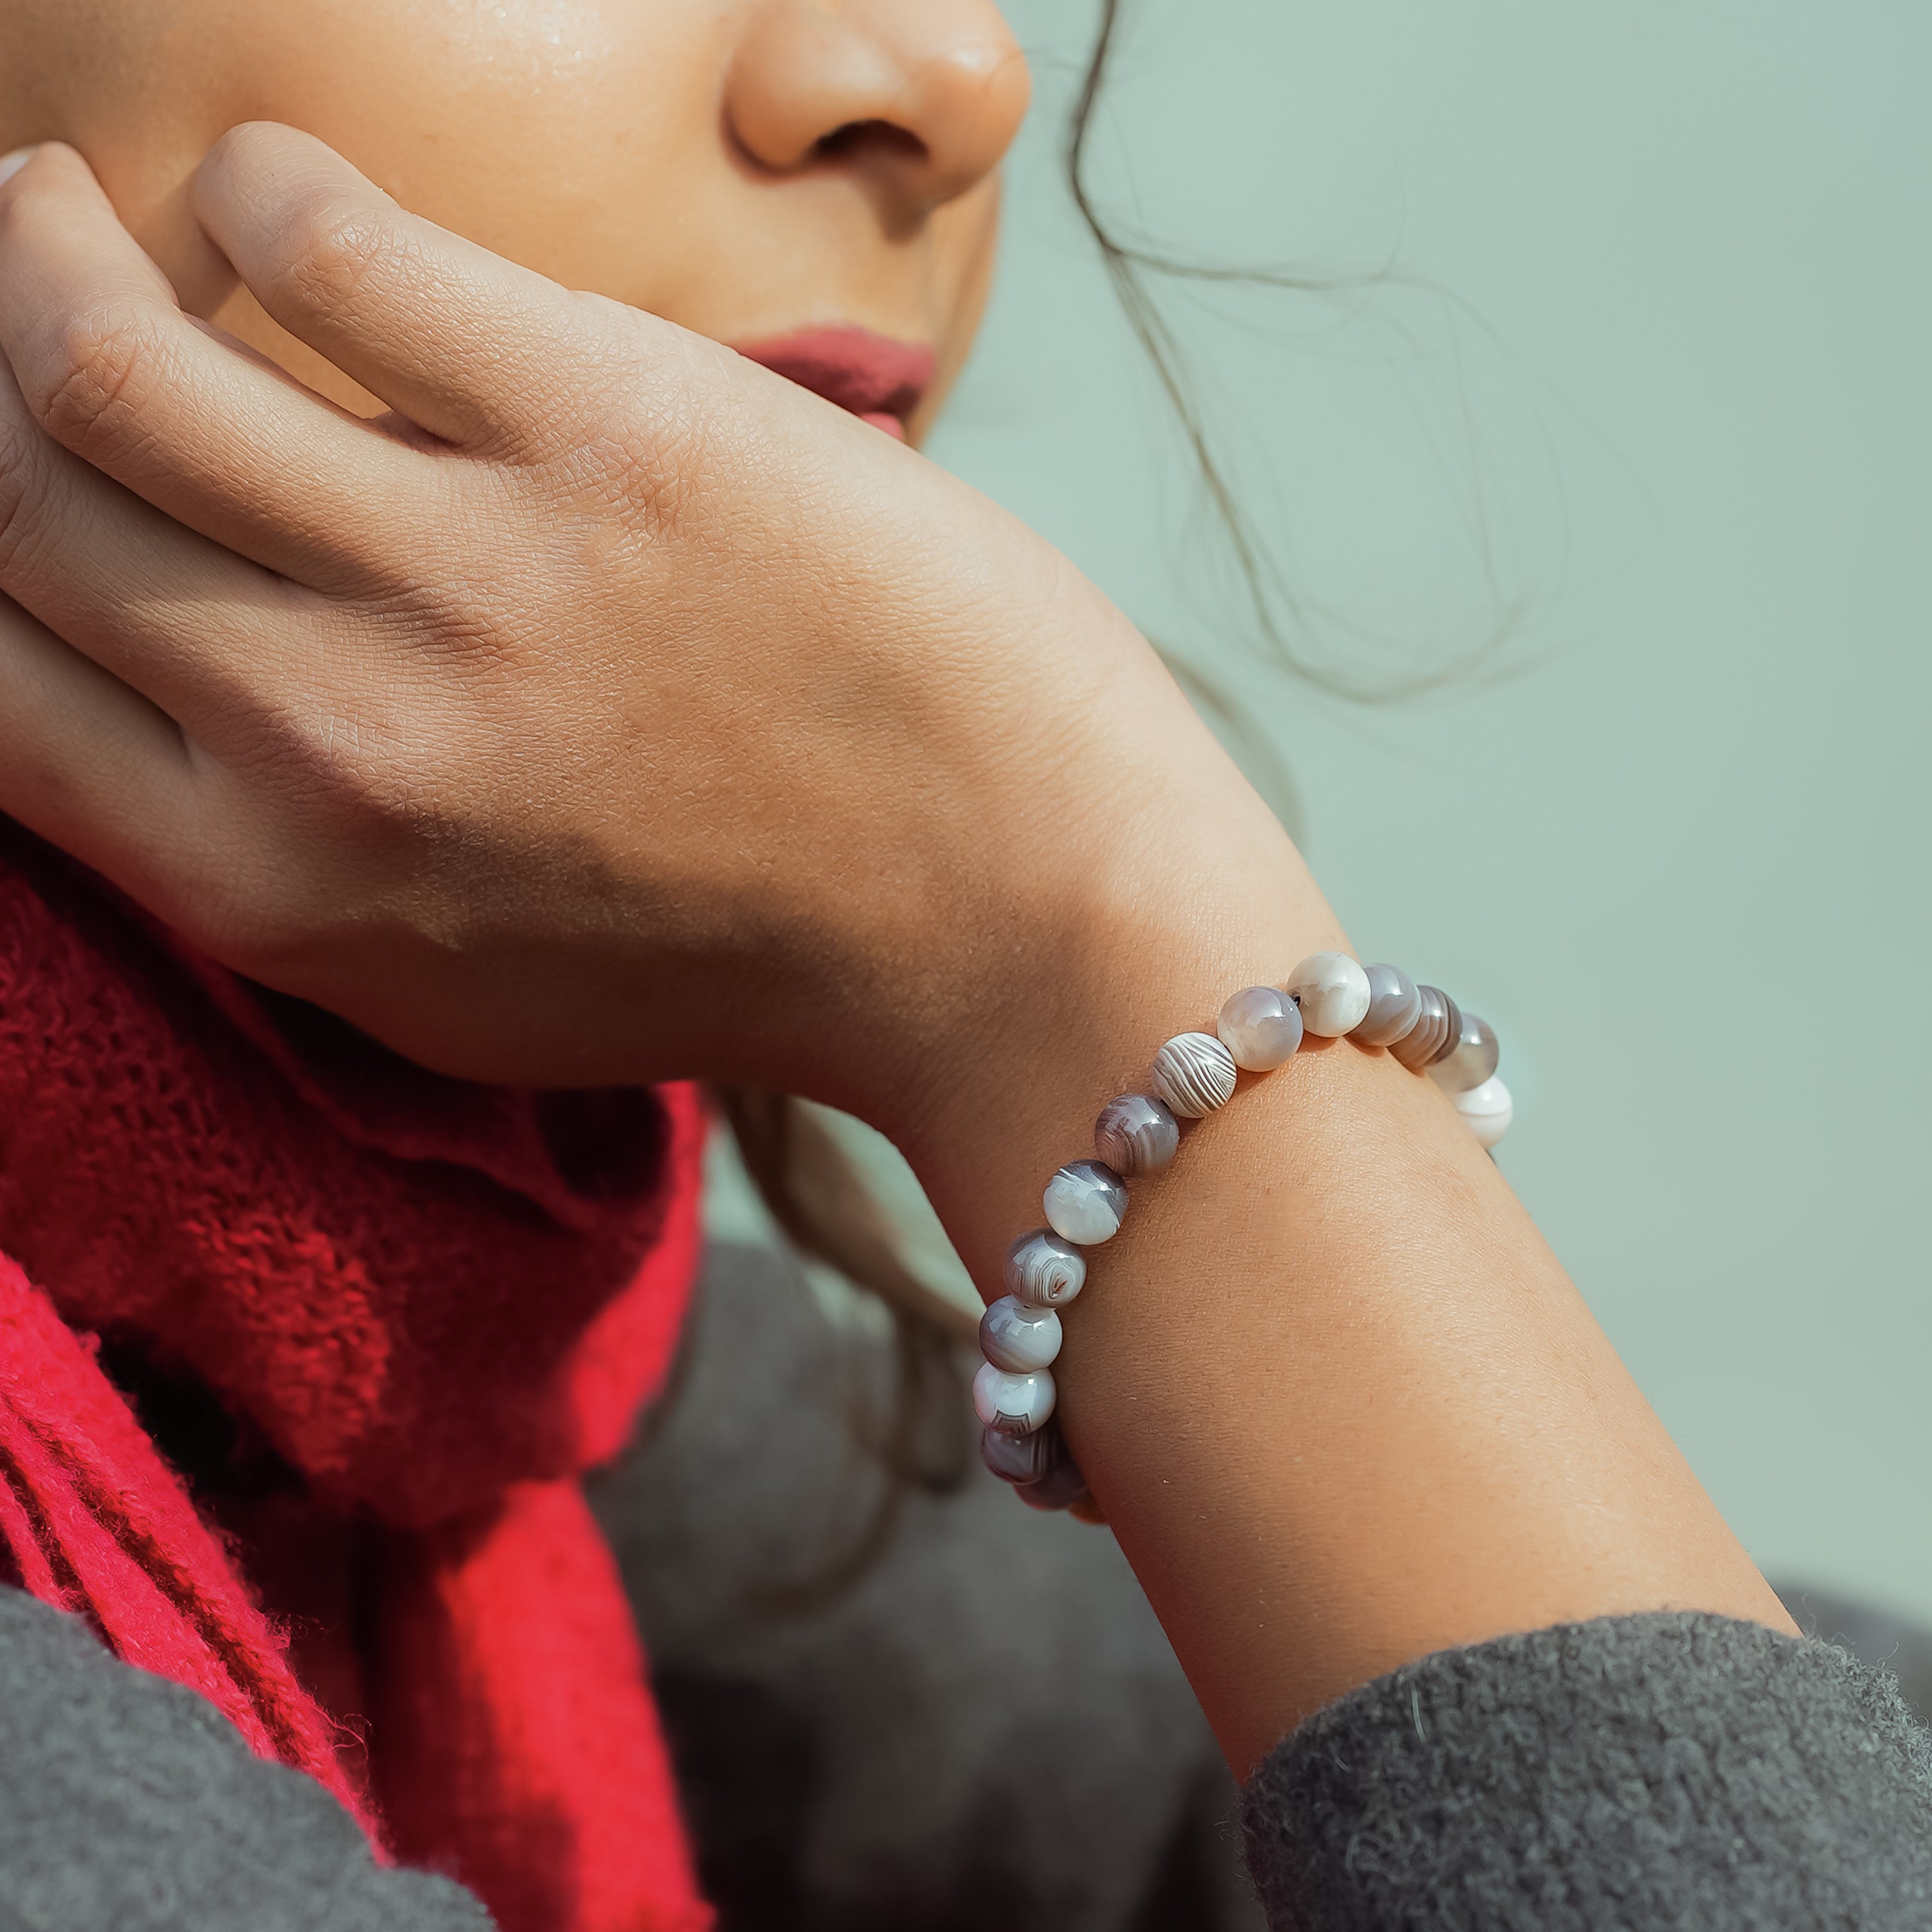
<point>871,375</point>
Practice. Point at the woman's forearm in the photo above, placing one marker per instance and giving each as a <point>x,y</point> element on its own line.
<point>1340,1402</point>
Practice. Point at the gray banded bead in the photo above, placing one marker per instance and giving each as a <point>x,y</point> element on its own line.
<point>1022,1458</point>
<point>1135,1134</point>
<point>1086,1201</point>
<point>1471,1060</point>
<point>1261,1028</point>
<point>1059,1489</point>
<point>1194,1073</point>
<point>1043,1271</point>
<point>1019,1403</point>
<point>1018,1339</point>
<point>1434,1032</point>
<point>1395,1005</point>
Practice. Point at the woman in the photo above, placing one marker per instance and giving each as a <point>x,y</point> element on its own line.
<point>612,711</point>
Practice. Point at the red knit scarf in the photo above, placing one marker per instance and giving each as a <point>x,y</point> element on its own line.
<point>426,1306</point>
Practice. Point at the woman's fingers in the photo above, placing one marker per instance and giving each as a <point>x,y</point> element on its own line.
<point>90,764</point>
<point>186,623</point>
<point>110,367</point>
<point>463,343</point>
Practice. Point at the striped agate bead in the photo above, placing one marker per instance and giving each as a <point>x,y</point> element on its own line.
<point>1395,1005</point>
<point>1018,1403</point>
<point>1435,1032</point>
<point>1086,1201</point>
<point>1017,1458</point>
<point>1061,1487</point>
<point>1018,1339</point>
<point>1194,1073</point>
<point>1472,1060</point>
<point>1043,1271</point>
<point>1261,1028</point>
<point>1135,1134</point>
<point>1332,990</point>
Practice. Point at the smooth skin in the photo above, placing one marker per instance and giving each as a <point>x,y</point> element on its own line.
<point>613,710</point>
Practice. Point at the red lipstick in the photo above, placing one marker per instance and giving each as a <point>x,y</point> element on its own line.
<point>871,375</point>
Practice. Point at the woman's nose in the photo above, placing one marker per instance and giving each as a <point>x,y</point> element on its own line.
<point>927,94</point>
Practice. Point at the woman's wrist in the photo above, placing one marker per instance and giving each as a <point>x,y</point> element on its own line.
<point>1335,1396</point>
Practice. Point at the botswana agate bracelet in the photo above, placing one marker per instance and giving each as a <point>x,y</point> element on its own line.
<point>1259,1029</point>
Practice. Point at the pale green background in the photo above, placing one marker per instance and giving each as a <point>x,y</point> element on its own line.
<point>1678,853</point>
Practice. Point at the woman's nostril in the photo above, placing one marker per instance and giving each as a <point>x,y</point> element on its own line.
<point>856,140</point>
<point>923,94</point>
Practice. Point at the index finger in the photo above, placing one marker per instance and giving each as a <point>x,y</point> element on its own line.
<point>463,343</point>
<point>110,368</point>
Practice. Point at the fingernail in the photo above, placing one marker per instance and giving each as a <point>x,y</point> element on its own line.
<point>11,164</point>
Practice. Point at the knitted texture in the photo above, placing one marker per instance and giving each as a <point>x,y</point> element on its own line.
<point>126,1803</point>
<point>1666,1771</point>
<point>97,1526</point>
<point>434,1303</point>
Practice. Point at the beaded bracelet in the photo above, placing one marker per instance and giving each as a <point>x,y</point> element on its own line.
<point>1260,1028</point>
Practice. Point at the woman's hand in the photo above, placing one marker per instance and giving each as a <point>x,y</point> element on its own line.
<point>611,709</point>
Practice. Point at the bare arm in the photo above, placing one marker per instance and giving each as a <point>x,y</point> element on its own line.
<point>1341,1403</point>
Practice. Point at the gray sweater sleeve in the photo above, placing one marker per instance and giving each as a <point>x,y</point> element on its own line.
<point>128,1802</point>
<point>1653,1771</point>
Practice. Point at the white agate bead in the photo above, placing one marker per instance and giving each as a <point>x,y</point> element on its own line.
<point>1135,1134</point>
<point>1488,1109</point>
<point>1333,992</point>
<point>1018,1339</point>
<point>1261,1028</point>
<point>1018,1403</point>
<point>1194,1073</point>
<point>1086,1201</point>
<point>1043,1271</point>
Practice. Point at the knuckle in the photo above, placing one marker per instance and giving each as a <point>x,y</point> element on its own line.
<point>330,251</point>
<point>674,442</point>
<point>102,364</point>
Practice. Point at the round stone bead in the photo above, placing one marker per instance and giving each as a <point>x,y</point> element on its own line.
<point>1135,1134</point>
<point>1018,1339</point>
<point>1435,1032</point>
<point>1015,1458</point>
<point>1471,1060</point>
<point>1020,1404</point>
<point>1395,1005</point>
<point>1333,992</point>
<point>1261,1028</point>
<point>1043,1271</point>
<point>1194,1073</point>
<point>1488,1109</point>
<point>1086,1201</point>
<point>1060,1487</point>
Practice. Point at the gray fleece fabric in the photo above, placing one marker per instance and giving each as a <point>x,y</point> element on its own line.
<point>1652,1771</point>
<point>130,1804</point>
